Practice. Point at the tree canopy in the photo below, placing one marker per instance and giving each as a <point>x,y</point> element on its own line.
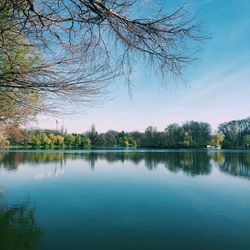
<point>71,50</point>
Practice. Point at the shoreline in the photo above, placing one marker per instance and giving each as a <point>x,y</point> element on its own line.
<point>117,149</point>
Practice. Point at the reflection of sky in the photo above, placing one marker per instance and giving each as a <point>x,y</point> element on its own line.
<point>129,202</point>
<point>121,204</point>
<point>218,89</point>
<point>117,171</point>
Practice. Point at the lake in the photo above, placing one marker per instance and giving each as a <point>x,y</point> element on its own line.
<point>115,200</point>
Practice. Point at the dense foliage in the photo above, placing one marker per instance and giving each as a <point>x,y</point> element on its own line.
<point>236,133</point>
<point>188,135</point>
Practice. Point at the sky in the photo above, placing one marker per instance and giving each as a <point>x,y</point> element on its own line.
<point>214,89</point>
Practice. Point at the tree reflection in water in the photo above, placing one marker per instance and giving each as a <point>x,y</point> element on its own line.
<point>236,164</point>
<point>18,227</point>
<point>190,162</point>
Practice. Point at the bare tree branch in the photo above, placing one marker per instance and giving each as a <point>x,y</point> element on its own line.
<point>85,44</point>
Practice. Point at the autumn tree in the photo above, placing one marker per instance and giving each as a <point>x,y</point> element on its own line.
<point>218,139</point>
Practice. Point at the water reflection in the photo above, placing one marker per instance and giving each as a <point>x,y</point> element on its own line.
<point>236,164</point>
<point>190,162</point>
<point>193,163</point>
<point>18,226</point>
<point>11,160</point>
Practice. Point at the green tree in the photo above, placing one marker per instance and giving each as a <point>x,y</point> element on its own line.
<point>187,140</point>
<point>86,142</point>
<point>234,132</point>
<point>125,142</point>
<point>247,140</point>
<point>136,138</point>
<point>78,141</point>
<point>200,132</point>
<point>111,138</point>
<point>101,140</point>
<point>174,135</point>
<point>133,142</point>
<point>69,140</point>
<point>93,135</point>
<point>150,136</point>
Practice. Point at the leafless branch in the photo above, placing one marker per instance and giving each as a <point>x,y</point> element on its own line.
<point>87,43</point>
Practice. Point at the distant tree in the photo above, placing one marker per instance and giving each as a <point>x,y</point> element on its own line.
<point>124,142</point>
<point>199,132</point>
<point>59,140</point>
<point>52,137</point>
<point>247,140</point>
<point>187,140</point>
<point>234,132</point>
<point>218,139</point>
<point>111,138</point>
<point>69,140</point>
<point>136,138</point>
<point>78,141</point>
<point>174,135</point>
<point>133,143</point>
<point>101,140</point>
<point>86,142</point>
<point>150,137</point>
<point>93,135</point>
<point>36,141</point>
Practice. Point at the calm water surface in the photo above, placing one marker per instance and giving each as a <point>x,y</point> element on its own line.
<point>125,200</point>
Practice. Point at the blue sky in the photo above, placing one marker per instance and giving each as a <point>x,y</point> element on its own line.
<point>216,88</point>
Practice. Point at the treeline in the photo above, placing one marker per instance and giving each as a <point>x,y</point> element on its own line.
<point>236,133</point>
<point>188,135</point>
